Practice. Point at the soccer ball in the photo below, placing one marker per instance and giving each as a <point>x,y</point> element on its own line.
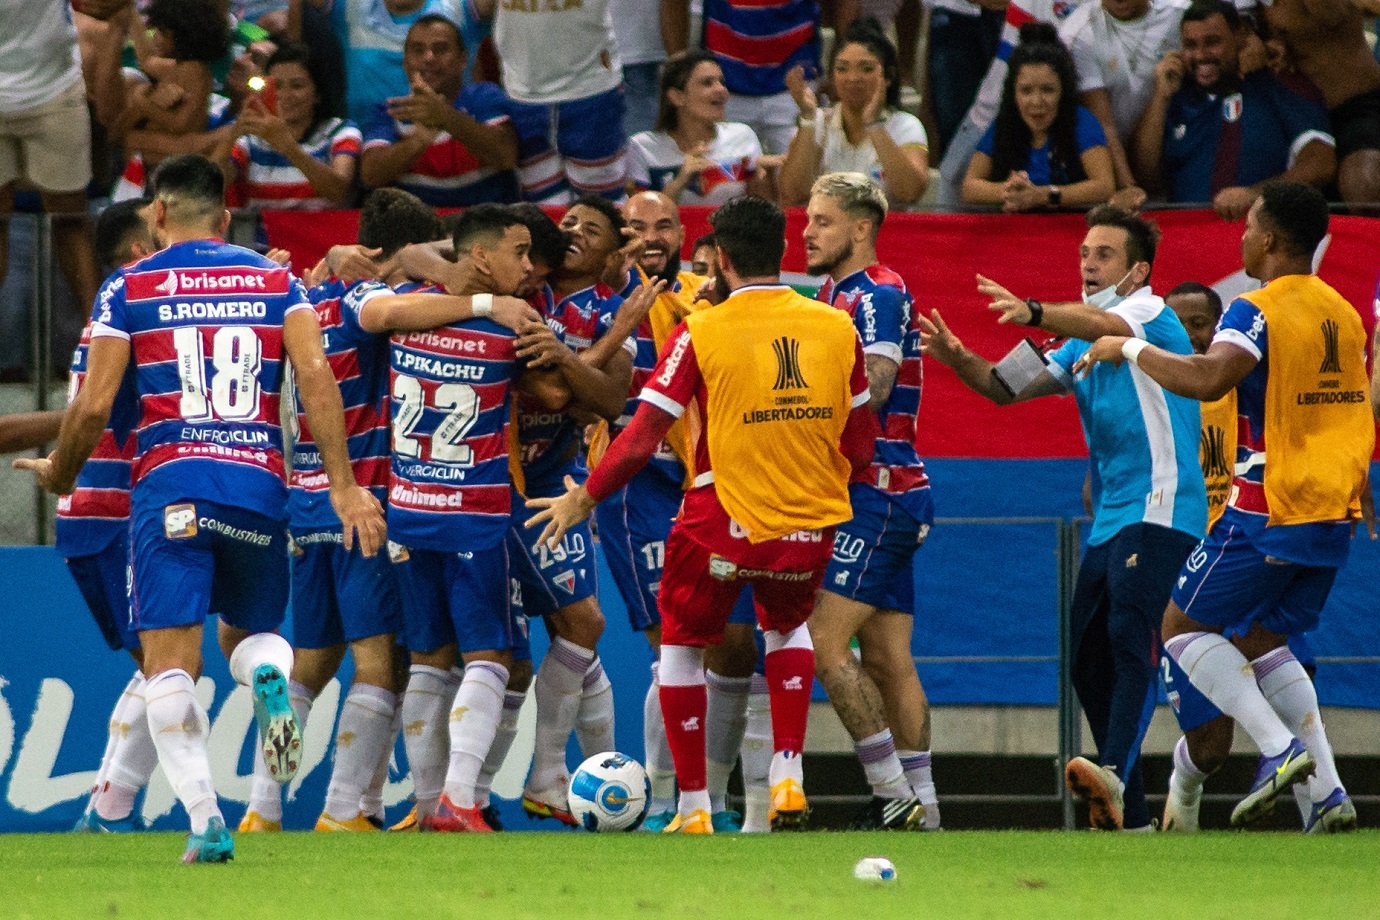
<point>609,792</point>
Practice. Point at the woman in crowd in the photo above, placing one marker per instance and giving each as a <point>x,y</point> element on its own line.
<point>1043,150</point>
<point>865,132</point>
<point>290,152</point>
<point>694,156</point>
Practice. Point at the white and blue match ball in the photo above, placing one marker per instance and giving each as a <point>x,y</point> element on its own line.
<point>874,869</point>
<point>609,792</point>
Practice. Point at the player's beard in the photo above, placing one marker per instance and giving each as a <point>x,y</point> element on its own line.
<point>827,267</point>
<point>721,288</point>
<point>671,269</point>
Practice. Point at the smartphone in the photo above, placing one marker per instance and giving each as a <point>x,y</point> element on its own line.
<point>267,91</point>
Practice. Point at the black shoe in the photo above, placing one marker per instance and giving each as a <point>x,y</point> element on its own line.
<point>882,814</point>
<point>491,818</point>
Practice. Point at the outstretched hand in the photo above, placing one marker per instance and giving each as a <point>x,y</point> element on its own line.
<point>1009,307</point>
<point>561,513</point>
<point>937,341</point>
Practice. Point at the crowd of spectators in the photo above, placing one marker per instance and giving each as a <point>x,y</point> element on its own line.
<point>310,103</point>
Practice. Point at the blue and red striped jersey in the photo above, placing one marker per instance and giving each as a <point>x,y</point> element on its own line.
<point>551,442</point>
<point>451,403</point>
<point>359,361</point>
<point>884,315</point>
<point>757,41</point>
<point>98,510</point>
<point>204,320</point>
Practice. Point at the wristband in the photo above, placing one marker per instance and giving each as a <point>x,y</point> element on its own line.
<point>802,122</point>
<point>482,305</point>
<point>1037,312</point>
<point>1131,349</point>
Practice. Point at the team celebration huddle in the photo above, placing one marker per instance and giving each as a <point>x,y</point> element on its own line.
<point>420,444</point>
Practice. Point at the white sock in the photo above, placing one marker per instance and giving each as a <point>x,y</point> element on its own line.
<point>724,722</point>
<point>920,776</point>
<point>558,685</point>
<point>881,766</point>
<point>371,800</point>
<point>257,649</point>
<point>503,743</point>
<point>179,727</point>
<point>1291,694</point>
<point>1222,674</point>
<point>362,738</point>
<point>426,737</point>
<point>114,730</point>
<point>786,765</point>
<point>661,768</point>
<point>133,758</point>
<point>757,752</point>
<point>594,719</point>
<point>1186,782</point>
<point>693,801</point>
<point>473,723</point>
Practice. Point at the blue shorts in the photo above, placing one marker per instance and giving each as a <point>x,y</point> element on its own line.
<point>551,578</point>
<point>340,596</point>
<point>456,598</point>
<point>103,580</point>
<point>633,525</point>
<point>874,553</point>
<point>191,558</point>
<point>1228,583</point>
<point>580,141</point>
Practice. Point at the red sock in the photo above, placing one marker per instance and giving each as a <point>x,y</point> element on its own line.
<point>683,709</point>
<point>790,675</point>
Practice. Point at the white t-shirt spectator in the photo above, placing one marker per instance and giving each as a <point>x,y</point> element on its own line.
<point>39,60</point>
<point>654,159</point>
<point>557,52</point>
<point>838,155</point>
<point>637,25</point>
<point>1120,57</point>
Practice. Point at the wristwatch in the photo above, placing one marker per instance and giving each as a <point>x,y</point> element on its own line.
<point>1056,196</point>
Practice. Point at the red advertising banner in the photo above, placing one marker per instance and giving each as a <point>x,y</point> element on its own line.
<point>940,256</point>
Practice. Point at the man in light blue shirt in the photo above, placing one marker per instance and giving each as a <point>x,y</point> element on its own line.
<point>1149,500</point>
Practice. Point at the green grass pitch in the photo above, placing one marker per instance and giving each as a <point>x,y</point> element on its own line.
<point>1006,875</point>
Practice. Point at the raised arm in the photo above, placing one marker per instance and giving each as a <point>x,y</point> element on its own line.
<point>974,370</point>
<point>1205,377</point>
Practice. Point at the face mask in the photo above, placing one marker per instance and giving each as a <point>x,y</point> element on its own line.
<point>1108,297</point>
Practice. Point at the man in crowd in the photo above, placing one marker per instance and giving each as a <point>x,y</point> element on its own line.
<point>448,142</point>
<point>1210,134</point>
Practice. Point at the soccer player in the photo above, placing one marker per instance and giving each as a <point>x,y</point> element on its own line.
<point>636,520</point>
<point>341,597</point>
<point>869,587</point>
<point>206,326</point>
<point>777,385</point>
<point>1148,492</point>
<point>1294,352</point>
<point>91,536</point>
<point>448,506</point>
<point>584,340</point>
